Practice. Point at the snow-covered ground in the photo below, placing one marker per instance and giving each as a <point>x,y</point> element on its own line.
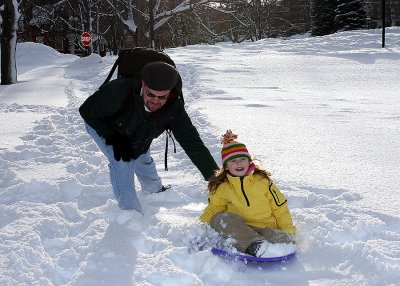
<point>322,113</point>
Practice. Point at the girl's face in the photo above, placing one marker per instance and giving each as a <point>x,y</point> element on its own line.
<point>238,167</point>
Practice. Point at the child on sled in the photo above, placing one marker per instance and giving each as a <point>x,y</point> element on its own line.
<point>244,203</point>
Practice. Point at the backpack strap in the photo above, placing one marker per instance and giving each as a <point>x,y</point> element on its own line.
<point>114,67</point>
<point>168,133</point>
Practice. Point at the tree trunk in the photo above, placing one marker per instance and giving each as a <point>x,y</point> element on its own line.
<point>151,22</point>
<point>9,42</point>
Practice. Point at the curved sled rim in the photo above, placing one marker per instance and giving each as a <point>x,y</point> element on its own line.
<point>228,254</point>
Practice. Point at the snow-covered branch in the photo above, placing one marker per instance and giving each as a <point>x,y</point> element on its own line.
<point>129,23</point>
<point>203,25</point>
<point>185,5</point>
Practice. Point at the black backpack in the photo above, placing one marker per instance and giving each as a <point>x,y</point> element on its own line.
<point>130,63</point>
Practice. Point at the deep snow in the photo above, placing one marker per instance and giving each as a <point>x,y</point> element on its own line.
<point>322,113</point>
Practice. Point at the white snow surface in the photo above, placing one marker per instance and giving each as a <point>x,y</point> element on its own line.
<point>321,113</point>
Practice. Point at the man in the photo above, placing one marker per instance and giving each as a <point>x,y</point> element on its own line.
<point>126,114</point>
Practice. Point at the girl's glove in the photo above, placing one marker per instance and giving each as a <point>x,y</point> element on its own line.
<point>122,147</point>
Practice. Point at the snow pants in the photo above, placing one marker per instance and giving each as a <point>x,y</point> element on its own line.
<point>234,226</point>
<point>122,174</point>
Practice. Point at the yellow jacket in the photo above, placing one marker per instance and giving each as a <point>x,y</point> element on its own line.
<point>254,198</point>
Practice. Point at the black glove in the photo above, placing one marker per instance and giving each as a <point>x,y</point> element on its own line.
<point>122,147</point>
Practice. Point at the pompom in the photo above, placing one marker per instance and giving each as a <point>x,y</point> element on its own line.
<point>228,137</point>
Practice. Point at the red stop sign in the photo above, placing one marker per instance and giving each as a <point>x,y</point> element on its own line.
<point>86,39</point>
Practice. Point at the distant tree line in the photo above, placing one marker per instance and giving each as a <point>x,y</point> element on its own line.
<point>160,24</point>
<point>171,23</point>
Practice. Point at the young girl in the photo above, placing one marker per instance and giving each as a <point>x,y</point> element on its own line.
<point>245,204</point>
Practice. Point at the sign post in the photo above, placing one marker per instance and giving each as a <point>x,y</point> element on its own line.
<point>86,40</point>
<point>383,16</point>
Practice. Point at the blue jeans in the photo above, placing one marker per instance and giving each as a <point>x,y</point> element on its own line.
<point>122,174</point>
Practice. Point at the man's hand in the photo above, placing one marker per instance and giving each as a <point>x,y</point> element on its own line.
<point>122,147</point>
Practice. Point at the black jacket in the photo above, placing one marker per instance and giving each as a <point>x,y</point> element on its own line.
<point>118,107</point>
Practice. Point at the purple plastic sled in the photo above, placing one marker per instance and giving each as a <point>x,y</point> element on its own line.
<point>243,256</point>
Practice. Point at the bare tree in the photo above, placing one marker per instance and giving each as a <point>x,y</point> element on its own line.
<point>149,16</point>
<point>10,16</point>
<point>166,23</point>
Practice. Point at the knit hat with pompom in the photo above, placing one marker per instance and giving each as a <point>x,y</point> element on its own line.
<point>231,149</point>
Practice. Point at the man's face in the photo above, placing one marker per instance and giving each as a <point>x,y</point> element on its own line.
<point>154,99</point>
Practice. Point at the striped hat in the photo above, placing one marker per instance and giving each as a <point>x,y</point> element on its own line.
<point>231,149</point>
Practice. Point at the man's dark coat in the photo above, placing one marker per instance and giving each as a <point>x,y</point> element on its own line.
<point>118,107</point>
